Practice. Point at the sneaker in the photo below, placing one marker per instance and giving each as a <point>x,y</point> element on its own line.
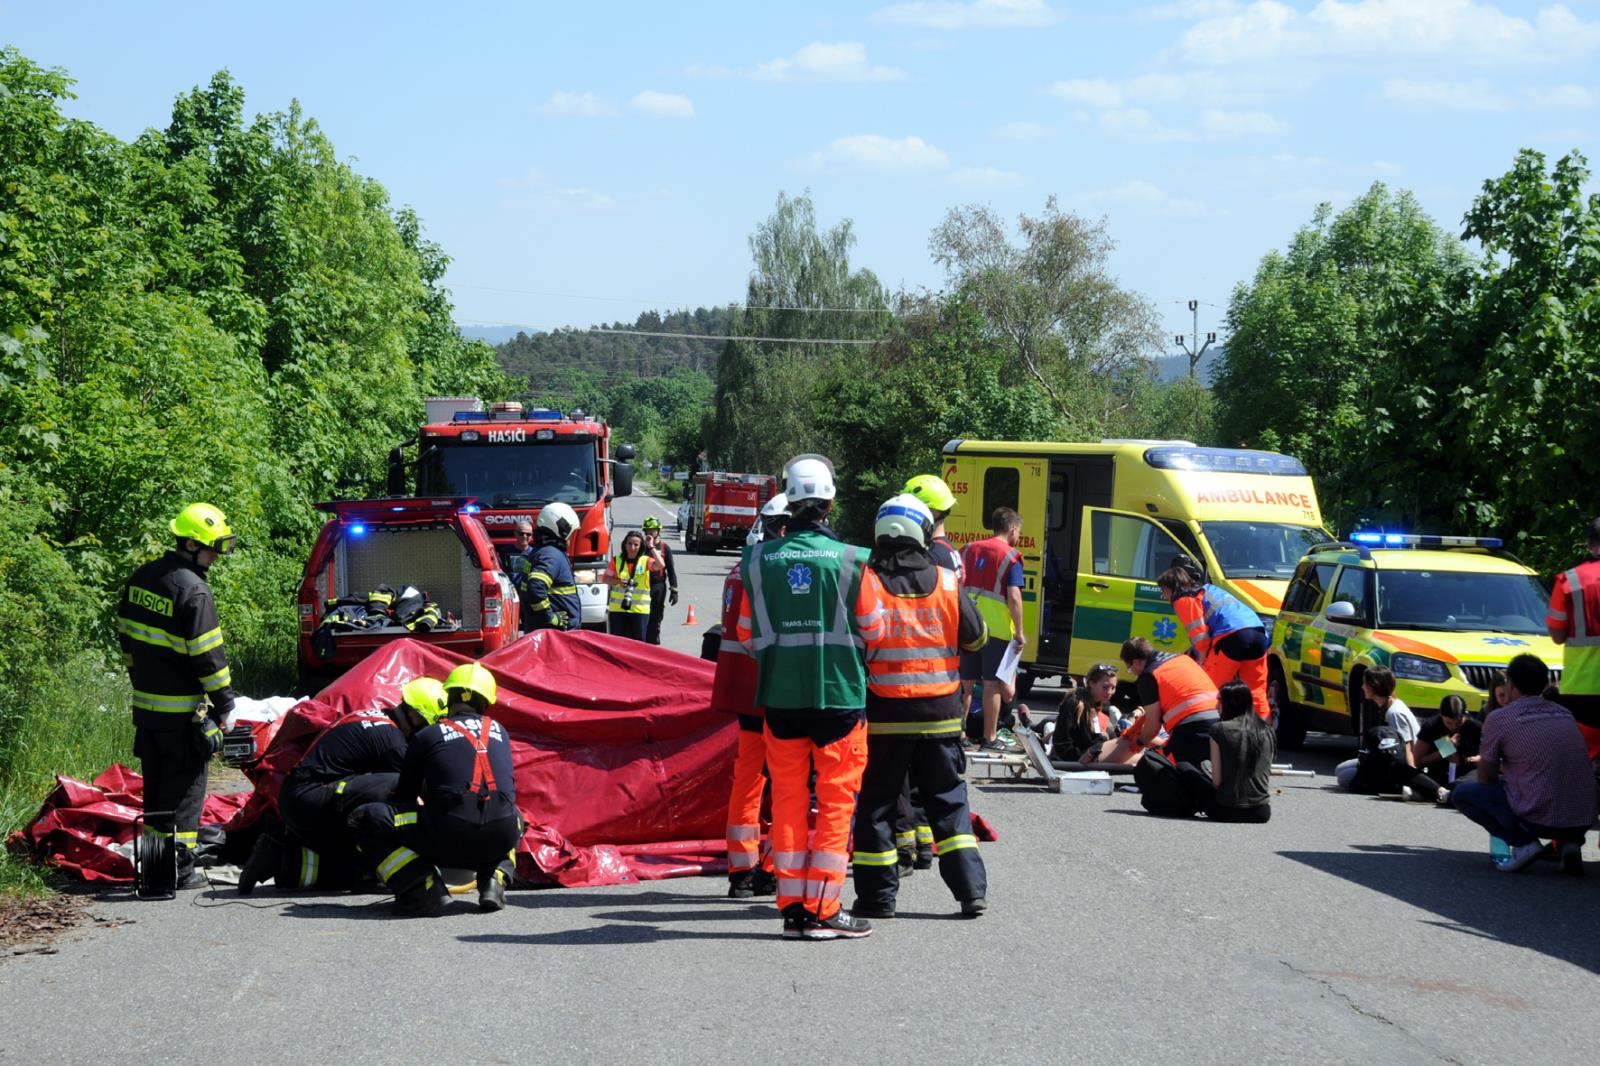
<point>492,896</point>
<point>1572,858</point>
<point>973,908</point>
<point>1006,736</point>
<point>1521,856</point>
<point>872,910</point>
<point>842,926</point>
<point>741,885</point>
<point>967,744</point>
<point>262,864</point>
<point>764,883</point>
<point>997,747</point>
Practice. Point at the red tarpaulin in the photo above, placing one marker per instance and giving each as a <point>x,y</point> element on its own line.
<point>622,768</point>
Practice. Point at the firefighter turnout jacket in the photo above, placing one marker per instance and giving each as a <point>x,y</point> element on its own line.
<point>733,687</point>
<point>441,761</point>
<point>366,742</point>
<point>172,642</point>
<point>913,663</point>
<point>549,592</point>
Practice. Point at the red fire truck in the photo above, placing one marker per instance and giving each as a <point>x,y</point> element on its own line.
<point>723,507</point>
<point>515,461</point>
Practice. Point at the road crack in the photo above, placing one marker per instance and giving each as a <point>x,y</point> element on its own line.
<point>1365,1012</point>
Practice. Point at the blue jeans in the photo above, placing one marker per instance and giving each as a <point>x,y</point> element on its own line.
<point>1488,806</point>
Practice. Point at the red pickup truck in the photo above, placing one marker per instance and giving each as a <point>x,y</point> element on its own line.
<point>435,545</point>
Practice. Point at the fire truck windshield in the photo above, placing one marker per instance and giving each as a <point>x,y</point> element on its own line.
<point>516,475</point>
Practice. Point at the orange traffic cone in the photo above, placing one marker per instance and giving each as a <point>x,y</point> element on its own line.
<point>690,620</point>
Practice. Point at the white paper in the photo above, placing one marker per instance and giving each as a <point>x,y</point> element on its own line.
<point>1006,672</point>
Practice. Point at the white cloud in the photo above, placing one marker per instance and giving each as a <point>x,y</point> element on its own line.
<point>535,190</point>
<point>1148,194</point>
<point>662,105</point>
<point>1137,124</point>
<point>1454,95</point>
<point>1561,97</point>
<point>1186,11</point>
<point>1239,123</point>
<point>978,14</point>
<point>1025,131</point>
<point>1454,30</point>
<point>986,177</point>
<point>872,151</point>
<point>1093,92</point>
<point>821,61</point>
<point>577,105</point>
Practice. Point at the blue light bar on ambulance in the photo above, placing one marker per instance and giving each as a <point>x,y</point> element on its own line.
<point>1225,461</point>
<point>1423,540</point>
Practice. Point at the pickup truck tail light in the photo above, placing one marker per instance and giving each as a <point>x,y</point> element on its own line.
<point>308,617</point>
<point>491,612</point>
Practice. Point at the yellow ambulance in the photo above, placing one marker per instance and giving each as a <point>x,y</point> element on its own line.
<point>1101,521</point>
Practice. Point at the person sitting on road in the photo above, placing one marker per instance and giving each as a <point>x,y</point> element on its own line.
<point>1087,722</point>
<point>1387,761</point>
<point>1534,780</point>
<point>1455,727</point>
<point>1242,747</point>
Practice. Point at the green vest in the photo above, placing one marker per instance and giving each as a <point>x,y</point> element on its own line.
<point>639,577</point>
<point>802,592</point>
<point>1580,655</point>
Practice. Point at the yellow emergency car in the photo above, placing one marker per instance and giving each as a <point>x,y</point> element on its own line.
<point>1101,521</point>
<point>1443,613</point>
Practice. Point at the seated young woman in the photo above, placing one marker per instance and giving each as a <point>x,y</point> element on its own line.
<point>1242,747</point>
<point>1086,719</point>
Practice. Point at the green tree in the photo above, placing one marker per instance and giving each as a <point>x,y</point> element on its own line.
<point>1317,339</point>
<point>802,287</point>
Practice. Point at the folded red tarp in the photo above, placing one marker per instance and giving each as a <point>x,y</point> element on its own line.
<point>614,741</point>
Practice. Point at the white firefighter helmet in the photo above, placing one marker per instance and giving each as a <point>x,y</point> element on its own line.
<point>808,477</point>
<point>559,519</point>
<point>903,516</point>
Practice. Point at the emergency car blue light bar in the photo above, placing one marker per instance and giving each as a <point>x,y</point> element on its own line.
<point>358,529</point>
<point>1225,461</point>
<point>471,508</point>
<point>1423,540</point>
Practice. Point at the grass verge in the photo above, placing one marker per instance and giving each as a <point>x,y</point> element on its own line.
<point>77,724</point>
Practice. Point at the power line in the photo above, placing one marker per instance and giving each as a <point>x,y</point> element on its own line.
<point>672,303</point>
<point>722,337</point>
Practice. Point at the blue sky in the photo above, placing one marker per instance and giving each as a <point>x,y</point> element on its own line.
<point>584,162</point>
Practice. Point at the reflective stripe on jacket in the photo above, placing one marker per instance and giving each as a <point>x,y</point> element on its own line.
<point>1210,613</point>
<point>985,564</point>
<point>637,575</point>
<point>167,626</point>
<point>917,656</point>
<point>1580,655</point>
<point>1185,690</point>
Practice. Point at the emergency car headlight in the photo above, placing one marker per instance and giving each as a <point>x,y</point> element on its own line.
<point>1419,668</point>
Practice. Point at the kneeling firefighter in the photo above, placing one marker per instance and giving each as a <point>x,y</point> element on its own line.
<point>914,714</point>
<point>355,762</point>
<point>733,690</point>
<point>548,590</point>
<point>461,769</point>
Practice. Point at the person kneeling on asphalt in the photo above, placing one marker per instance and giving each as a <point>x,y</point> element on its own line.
<point>461,768</point>
<point>1534,781</point>
<point>1175,695</point>
<point>914,714</point>
<point>356,761</point>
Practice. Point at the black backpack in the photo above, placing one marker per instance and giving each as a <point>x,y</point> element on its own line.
<point>1381,751</point>
<point>1161,788</point>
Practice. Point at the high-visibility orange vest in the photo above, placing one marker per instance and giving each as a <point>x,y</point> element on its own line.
<point>733,686</point>
<point>918,656</point>
<point>1185,690</point>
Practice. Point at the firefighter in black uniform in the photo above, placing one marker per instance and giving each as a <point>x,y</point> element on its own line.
<point>461,769</point>
<point>355,761</point>
<point>547,589</point>
<point>172,644</point>
<point>661,592</point>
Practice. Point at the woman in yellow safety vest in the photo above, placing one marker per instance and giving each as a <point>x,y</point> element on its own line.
<point>629,578</point>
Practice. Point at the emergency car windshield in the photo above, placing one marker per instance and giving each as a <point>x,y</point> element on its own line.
<point>1261,549</point>
<point>1459,599</point>
<point>516,475</point>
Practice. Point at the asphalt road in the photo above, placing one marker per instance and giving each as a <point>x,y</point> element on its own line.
<point>1349,929</point>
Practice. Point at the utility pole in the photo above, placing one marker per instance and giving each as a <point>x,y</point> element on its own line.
<point>1195,350</point>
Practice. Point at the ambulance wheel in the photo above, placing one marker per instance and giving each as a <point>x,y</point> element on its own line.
<point>1291,721</point>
